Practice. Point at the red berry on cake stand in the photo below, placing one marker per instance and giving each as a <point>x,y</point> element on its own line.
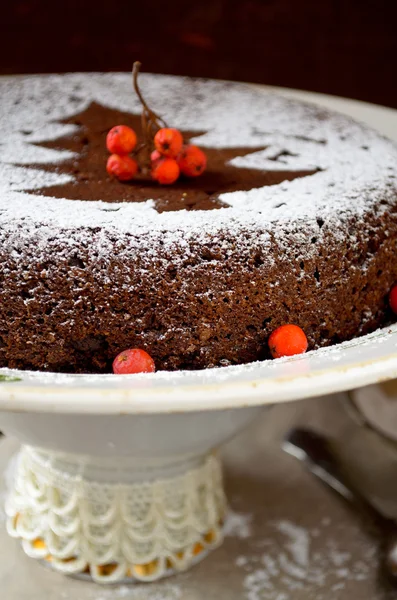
<point>393,299</point>
<point>124,168</point>
<point>165,171</point>
<point>287,340</point>
<point>192,161</point>
<point>133,361</point>
<point>121,140</point>
<point>168,141</point>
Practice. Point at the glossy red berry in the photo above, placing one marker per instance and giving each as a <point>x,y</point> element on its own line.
<point>168,142</point>
<point>287,340</point>
<point>133,361</point>
<point>121,140</point>
<point>393,299</point>
<point>192,161</point>
<point>165,171</point>
<point>155,155</point>
<point>123,168</point>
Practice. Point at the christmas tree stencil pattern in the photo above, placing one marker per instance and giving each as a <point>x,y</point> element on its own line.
<point>88,180</point>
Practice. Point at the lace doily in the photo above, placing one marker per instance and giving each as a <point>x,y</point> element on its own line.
<point>115,531</point>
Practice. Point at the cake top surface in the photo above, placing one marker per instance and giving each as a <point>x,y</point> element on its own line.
<point>352,168</point>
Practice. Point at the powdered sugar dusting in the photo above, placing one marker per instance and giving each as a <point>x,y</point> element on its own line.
<point>293,564</point>
<point>237,525</point>
<point>298,543</point>
<point>161,591</point>
<point>357,166</point>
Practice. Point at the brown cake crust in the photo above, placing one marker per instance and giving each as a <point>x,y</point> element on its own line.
<point>173,316</point>
<point>71,302</point>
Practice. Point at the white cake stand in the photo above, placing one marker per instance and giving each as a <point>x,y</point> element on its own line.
<point>118,477</point>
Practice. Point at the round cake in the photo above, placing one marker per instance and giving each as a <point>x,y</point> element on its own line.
<point>294,221</point>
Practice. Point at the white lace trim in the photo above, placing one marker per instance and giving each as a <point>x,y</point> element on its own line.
<point>140,530</point>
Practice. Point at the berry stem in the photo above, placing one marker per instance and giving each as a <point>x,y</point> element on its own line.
<point>151,121</point>
<point>151,117</point>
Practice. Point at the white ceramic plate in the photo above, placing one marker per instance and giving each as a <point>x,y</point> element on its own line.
<point>354,364</point>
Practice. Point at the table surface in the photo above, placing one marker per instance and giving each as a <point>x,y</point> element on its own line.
<point>288,538</point>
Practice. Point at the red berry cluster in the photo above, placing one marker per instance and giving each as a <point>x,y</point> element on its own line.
<point>163,149</point>
<point>171,158</point>
<point>120,141</point>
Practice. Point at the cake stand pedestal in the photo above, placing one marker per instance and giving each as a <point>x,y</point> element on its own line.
<point>116,519</point>
<point>278,510</point>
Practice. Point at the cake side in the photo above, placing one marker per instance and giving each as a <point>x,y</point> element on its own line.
<point>74,310</point>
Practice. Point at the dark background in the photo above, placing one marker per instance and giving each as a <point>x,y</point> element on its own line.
<point>344,47</point>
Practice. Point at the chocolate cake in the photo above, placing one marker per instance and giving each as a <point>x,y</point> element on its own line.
<point>295,221</point>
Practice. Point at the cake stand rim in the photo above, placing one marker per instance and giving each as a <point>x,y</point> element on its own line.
<point>363,361</point>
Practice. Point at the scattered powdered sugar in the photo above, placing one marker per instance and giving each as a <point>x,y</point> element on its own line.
<point>357,167</point>
<point>237,525</point>
<point>298,543</point>
<point>160,591</point>
<point>295,564</point>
